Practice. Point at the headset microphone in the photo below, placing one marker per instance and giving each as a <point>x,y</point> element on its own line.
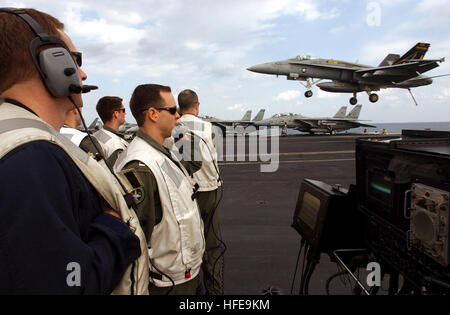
<point>88,88</point>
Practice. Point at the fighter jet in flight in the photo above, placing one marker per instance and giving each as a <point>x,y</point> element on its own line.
<point>393,72</point>
<point>331,125</point>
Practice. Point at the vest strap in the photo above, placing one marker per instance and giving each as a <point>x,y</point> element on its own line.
<point>20,123</point>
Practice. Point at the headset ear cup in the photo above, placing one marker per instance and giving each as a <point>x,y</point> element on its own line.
<point>59,72</point>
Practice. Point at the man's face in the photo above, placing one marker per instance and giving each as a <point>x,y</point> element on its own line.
<point>166,120</point>
<point>120,116</point>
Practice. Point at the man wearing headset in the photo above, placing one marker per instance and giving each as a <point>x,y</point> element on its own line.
<point>112,113</point>
<point>208,180</point>
<point>61,228</point>
<point>167,207</point>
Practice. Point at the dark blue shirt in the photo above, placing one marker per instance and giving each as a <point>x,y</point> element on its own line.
<point>50,218</point>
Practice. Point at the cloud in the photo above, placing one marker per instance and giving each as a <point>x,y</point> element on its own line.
<point>235,106</point>
<point>337,29</point>
<point>323,94</point>
<point>287,96</point>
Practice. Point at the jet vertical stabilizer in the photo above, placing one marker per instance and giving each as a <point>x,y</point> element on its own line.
<point>247,116</point>
<point>389,60</point>
<point>341,112</point>
<point>260,115</point>
<point>93,124</point>
<point>416,53</point>
<point>354,114</point>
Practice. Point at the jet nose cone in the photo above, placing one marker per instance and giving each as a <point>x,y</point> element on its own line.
<point>253,68</point>
<point>262,68</point>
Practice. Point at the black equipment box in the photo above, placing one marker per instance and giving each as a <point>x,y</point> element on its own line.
<point>403,189</point>
<point>326,217</point>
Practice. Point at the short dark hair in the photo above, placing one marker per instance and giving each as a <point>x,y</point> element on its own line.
<point>16,64</point>
<point>187,99</point>
<point>107,105</point>
<point>146,96</point>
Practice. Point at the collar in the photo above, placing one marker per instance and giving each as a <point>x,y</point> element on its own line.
<point>113,131</point>
<point>189,115</point>
<point>152,142</point>
<point>17,103</point>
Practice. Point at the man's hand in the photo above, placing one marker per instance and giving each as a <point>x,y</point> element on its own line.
<point>106,208</point>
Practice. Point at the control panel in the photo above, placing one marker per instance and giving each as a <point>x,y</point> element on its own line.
<point>429,221</point>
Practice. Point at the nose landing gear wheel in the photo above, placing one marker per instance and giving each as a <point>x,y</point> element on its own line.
<point>353,101</point>
<point>308,94</point>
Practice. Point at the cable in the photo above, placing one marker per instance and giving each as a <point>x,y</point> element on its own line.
<point>171,280</point>
<point>222,254</point>
<point>302,278</point>
<point>327,284</point>
<point>128,198</point>
<point>312,267</point>
<point>302,243</point>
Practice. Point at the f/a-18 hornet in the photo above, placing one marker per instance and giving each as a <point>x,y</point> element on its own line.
<point>393,72</point>
<point>338,122</point>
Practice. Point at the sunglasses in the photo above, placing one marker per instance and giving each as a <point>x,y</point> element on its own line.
<point>171,110</point>
<point>78,59</point>
<point>121,109</point>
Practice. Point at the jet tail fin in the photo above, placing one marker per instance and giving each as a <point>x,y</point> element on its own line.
<point>354,114</point>
<point>260,115</point>
<point>417,52</point>
<point>247,116</point>
<point>389,60</point>
<point>93,124</point>
<point>341,112</point>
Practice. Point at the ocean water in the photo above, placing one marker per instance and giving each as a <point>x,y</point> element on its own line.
<point>393,128</point>
<point>398,127</point>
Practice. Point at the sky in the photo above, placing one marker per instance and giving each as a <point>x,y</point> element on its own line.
<point>207,45</point>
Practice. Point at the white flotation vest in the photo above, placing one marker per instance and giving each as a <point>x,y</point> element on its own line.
<point>208,176</point>
<point>18,126</point>
<point>109,141</point>
<point>177,243</point>
<point>74,135</point>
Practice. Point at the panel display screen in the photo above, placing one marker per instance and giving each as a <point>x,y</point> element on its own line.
<point>378,187</point>
<point>309,210</point>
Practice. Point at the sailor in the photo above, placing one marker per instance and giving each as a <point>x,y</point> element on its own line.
<point>62,215</point>
<point>166,204</point>
<point>284,130</point>
<point>208,179</point>
<point>112,113</point>
<point>78,137</point>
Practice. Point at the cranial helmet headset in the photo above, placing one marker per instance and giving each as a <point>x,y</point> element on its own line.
<point>55,64</point>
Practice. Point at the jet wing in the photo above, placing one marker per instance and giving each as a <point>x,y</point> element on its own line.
<point>356,124</point>
<point>306,123</point>
<point>417,66</point>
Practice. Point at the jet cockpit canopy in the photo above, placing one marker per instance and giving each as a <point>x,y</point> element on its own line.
<point>305,57</point>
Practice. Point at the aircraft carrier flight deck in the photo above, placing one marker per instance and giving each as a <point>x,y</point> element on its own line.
<point>257,209</point>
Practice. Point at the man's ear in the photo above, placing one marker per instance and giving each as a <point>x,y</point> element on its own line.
<point>152,114</point>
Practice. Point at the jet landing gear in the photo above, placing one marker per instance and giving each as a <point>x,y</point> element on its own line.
<point>308,85</point>
<point>373,98</point>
